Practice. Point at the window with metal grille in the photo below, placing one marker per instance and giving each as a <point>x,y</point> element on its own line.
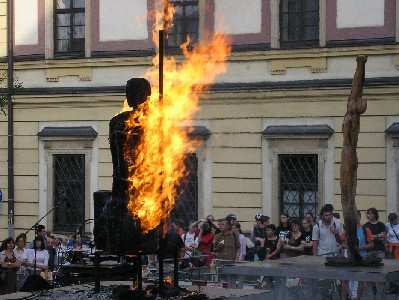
<point>186,206</point>
<point>185,23</point>
<point>69,27</point>
<point>68,191</point>
<point>299,23</point>
<point>298,184</point>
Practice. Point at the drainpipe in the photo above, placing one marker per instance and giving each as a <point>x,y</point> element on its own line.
<point>10,113</point>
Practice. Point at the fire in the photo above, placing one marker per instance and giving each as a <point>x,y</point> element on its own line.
<point>159,157</point>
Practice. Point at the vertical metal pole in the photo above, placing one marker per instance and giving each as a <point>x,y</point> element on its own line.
<point>161,57</point>
<point>161,250</point>
<point>176,267</point>
<point>139,274</point>
<point>10,111</point>
<point>97,272</point>
<point>161,237</point>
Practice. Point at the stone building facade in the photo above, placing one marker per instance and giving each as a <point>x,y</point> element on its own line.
<point>270,126</point>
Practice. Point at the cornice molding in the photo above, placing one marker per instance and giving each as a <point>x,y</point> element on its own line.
<point>232,89</point>
<point>242,56</point>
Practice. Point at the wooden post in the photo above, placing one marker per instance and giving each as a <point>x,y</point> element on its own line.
<point>349,162</point>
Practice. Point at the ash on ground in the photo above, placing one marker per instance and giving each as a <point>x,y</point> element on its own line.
<point>86,292</point>
<point>81,292</point>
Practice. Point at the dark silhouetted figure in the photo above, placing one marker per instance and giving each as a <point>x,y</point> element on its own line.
<point>116,230</point>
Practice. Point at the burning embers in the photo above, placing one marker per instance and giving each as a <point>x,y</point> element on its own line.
<point>152,290</point>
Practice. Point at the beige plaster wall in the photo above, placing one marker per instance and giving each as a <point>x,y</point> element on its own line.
<point>235,149</point>
<point>3,28</point>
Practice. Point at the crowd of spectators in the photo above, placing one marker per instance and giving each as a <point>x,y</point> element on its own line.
<point>207,241</point>
<point>20,258</point>
<point>321,235</point>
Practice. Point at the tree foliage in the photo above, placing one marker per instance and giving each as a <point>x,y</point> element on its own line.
<point>8,92</point>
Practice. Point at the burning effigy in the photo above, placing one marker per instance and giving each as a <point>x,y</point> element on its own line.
<point>149,142</point>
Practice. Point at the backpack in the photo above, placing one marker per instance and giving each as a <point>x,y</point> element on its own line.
<point>338,238</point>
<point>365,234</point>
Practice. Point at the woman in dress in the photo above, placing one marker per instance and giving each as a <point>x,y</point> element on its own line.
<point>38,257</point>
<point>11,264</point>
<point>21,253</point>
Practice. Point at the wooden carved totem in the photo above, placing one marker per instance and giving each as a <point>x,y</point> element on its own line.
<point>349,162</point>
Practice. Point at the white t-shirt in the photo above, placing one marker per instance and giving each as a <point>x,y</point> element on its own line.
<point>190,240</point>
<point>391,234</point>
<point>21,256</point>
<point>327,243</point>
<point>41,258</point>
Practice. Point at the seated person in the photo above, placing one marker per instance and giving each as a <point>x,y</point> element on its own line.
<point>76,243</point>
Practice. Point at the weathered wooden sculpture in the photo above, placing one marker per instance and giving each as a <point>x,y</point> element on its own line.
<point>349,162</point>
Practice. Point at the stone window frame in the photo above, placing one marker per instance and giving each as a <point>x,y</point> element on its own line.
<point>392,162</point>
<point>295,139</point>
<point>66,140</point>
<point>199,136</point>
<point>50,34</point>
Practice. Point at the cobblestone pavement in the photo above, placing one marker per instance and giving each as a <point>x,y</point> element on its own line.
<point>86,292</point>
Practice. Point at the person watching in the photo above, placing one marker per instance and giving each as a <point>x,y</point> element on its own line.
<point>243,241</point>
<point>190,240</point>
<point>392,229</point>
<point>38,259</point>
<point>377,229</point>
<point>295,241</point>
<point>10,263</point>
<point>21,253</point>
<point>307,227</point>
<point>271,246</point>
<point>326,234</point>
<point>205,240</point>
<point>226,245</point>
<point>41,231</point>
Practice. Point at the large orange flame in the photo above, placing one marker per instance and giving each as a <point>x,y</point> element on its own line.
<point>159,158</point>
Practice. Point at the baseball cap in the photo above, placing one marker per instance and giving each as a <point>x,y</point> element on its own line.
<point>258,216</point>
<point>231,216</point>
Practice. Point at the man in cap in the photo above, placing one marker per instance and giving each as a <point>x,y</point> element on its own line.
<point>232,218</point>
